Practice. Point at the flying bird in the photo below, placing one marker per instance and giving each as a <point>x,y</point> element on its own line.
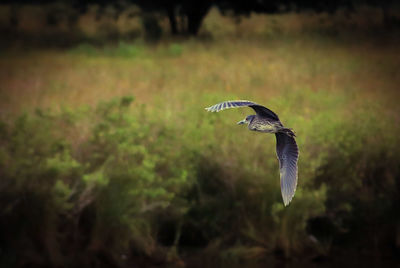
<point>287,151</point>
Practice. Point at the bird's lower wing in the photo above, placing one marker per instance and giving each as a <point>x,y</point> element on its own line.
<point>288,154</point>
<point>229,104</point>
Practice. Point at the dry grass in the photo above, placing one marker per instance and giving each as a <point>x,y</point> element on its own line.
<point>274,55</point>
<point>241,70</point>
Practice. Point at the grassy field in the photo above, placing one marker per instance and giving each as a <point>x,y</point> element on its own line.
<point>259,57</point>
<point>197,70</point>
<point>80,143</point>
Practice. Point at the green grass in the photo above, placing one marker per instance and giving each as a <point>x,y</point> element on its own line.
<point>130,169</point>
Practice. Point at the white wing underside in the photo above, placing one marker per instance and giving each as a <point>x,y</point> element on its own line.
<point>229,104</point>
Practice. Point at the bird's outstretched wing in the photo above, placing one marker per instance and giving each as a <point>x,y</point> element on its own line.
<point>260,110</point>
<point>288,153</point>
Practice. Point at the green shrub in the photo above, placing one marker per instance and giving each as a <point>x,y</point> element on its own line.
<point>114,175</point>
<point>84,185</point>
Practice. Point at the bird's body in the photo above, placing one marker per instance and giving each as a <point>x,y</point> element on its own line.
<point>287,151</point>
<point>262,124</point>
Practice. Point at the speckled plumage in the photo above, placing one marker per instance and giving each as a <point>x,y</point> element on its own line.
<point>287,151</point>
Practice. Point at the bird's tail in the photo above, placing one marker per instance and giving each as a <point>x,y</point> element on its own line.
<point>288,131</point>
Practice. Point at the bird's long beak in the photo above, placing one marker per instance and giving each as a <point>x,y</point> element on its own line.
<point>242,122</point>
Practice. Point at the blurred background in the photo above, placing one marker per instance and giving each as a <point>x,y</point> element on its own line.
<point>108,158</point>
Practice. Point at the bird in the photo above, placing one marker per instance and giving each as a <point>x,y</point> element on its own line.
<point>287,151</point>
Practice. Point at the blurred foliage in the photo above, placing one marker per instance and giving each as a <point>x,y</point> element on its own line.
<point>99,195</point>
<point>94,186</point>
<point>59,24</point>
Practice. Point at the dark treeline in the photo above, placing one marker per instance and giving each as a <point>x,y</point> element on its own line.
<point>185,17</point>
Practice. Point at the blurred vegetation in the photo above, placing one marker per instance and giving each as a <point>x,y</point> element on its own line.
<point>94,177</point>
<point>92,185</point>
<point>58,24</point>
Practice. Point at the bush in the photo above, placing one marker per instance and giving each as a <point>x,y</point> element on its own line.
<point>100,186</point>
<point>98,196</point>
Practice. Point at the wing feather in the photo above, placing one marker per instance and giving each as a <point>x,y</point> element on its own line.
<point>259,109</point>
<point>288,154</point>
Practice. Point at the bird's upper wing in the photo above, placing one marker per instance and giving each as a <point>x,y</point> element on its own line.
<point>260,110</point>
<point>288,153</point>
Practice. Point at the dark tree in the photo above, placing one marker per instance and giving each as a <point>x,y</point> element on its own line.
<point>185,16</point>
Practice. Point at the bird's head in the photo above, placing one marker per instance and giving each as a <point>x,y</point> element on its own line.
<point>247,120</point>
